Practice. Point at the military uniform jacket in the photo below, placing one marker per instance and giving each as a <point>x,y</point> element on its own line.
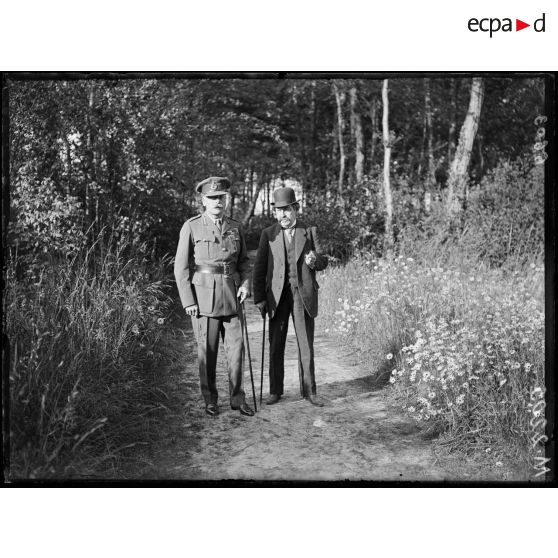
<point>270,268</point>
<point>201,243</point>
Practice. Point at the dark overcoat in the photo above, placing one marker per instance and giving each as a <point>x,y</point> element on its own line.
<point>269,273</point>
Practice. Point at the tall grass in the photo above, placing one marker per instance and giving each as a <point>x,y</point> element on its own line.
<point>85,355</point>
<point>461,347</point>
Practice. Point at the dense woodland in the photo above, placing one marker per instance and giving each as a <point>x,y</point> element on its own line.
<point>439,176</point>
<point>127,153</point>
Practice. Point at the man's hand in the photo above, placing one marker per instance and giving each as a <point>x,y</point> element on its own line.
<point>192,310</point>
<point>262,306</point>
<point>310,259</point>
<point>242,294</point>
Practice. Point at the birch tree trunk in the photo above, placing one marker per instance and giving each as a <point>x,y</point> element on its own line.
<point>388,238</point>
<point>374,120</point>
<point>91,184</point>
<point>356,128</point>
<point>452,119</point>
<point>458,176</point>
<point>340,99</point>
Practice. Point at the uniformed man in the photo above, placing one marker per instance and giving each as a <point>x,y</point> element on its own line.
<point>213,277</point>
<point>285,285</point>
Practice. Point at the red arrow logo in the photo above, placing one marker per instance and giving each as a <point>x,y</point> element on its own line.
<point>519,25</point>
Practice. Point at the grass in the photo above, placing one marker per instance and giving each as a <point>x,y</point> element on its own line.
<point>87,347</point>
<point>461,348</point>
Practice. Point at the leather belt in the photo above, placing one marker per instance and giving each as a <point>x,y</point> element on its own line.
<point>225,269</point>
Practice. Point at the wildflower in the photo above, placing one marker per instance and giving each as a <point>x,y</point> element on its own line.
<point>431,395</point>
<point>460,399</point>
<point>135,329</point>
<point>488,450</point>
<point>465,385</point>
<point>389,356</point>
<point>411,409</point>
<point>161,321</point>
<point>426,376</point>
<point>499,464</point>
<point>127,307</point>
<point>151,308</point>
<point>392,380</point>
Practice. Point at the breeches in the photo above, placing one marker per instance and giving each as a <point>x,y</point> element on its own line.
<point>291,304</point>
<point>207,331</point>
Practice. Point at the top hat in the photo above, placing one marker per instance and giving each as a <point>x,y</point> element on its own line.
<point>214,186</point>
<point>282,197</point>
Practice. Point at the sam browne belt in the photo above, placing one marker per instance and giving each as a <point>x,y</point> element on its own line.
<point>225,268</point>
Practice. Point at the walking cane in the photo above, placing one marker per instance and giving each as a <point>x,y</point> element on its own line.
<point>263,356</point>
<point>300,378</point>
<point>249,357</point>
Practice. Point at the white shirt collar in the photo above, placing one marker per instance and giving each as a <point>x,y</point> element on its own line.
<point>214,219</point>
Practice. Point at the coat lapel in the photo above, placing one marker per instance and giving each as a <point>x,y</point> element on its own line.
<point>300,240</point>
<point>277,244</point>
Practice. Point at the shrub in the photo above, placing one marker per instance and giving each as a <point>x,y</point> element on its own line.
<point>348,224</point>
<point>85,341</point>
<point>502,224</point>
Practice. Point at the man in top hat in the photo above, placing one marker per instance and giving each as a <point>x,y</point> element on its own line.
<point>285,285</point>
<point>213,277</point>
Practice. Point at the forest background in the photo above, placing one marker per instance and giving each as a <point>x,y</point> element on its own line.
<point>428,193</point>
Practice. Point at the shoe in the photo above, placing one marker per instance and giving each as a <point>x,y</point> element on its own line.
<point>315,401</point>
<point>246,410</point>
<point>211,409</point>
<point>272,399</point>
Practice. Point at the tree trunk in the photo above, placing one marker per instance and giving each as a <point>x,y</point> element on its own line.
<point>356,128</point>
<point>90,184</point>
<point>428,116</point>
<point>452,119</point>
<point>388,238</point>
<point>373,138</point>
<point>340,99</point>
<point>250,210</point>
<point>313,136</point>
<point>458,173</point>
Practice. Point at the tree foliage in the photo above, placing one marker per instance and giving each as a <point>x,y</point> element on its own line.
<point>126,153</point>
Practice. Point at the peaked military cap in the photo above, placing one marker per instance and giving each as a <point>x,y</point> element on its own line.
<point>214,186</point>
<point>282,197</point>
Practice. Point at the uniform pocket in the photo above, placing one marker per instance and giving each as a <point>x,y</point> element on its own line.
<point>204,247</point>
<point>204,284</point>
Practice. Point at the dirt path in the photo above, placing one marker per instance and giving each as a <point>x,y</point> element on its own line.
<point>355,436</point>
